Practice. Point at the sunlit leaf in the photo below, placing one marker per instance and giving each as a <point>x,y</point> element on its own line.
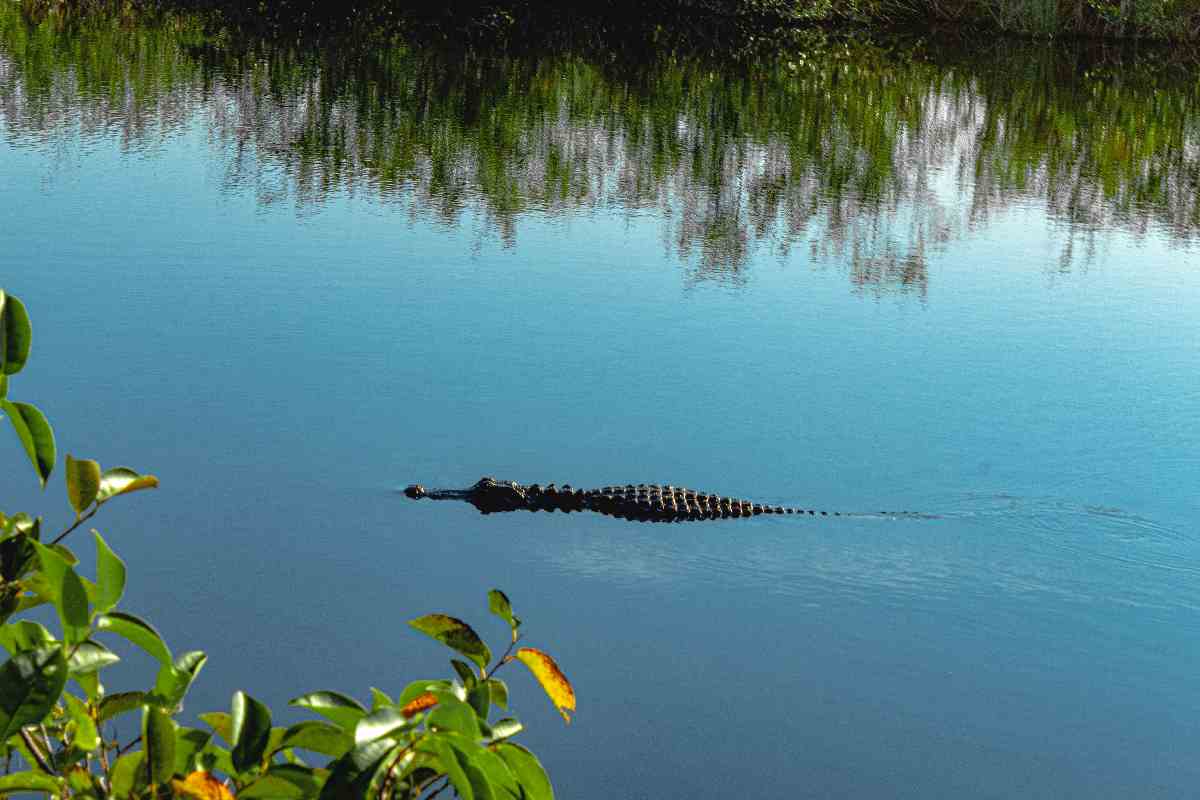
<point>16,335</point>
<point>506,728</point>
<point>16,637</point>
<point>220,722</point>
<point>36,435</point>
<point>379,699</point>
<point>351,774</point>
<point>457,717</point>
<point>551,678</point>
<point>319,737</point>
<point>378,724</point>
<point>128,775</point>
<point>189,744</point>
<point>70,598</point>
<point>137,631</point>
<point>455,634</point>
<point>251,731</point>
<point>114,705</point>
<point>418,688</point>
<point>284,782</point>
<point>123,480</point>
<point>110,577</point>
<point>498,604</point>
<point>89,656</point>
<point>336,707</point>
<point>175,679</point>
<point>499,691</point>
<point>86,738</point>
<point>200,786</point>
<point>30,782</point>
<point>83,482</point>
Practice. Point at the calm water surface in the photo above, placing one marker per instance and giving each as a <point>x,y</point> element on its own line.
<point>289,283</point>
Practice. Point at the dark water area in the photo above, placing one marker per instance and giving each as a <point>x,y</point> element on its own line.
<point>290,281</point>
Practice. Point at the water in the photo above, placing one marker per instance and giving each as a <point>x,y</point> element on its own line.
<point>289,286</point>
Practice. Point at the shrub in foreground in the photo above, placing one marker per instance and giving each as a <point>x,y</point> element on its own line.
<point>56,716</point>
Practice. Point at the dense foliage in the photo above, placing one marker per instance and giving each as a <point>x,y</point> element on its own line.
<point>1177,20</point>
<point>56,716</point>
<point>804,139</point>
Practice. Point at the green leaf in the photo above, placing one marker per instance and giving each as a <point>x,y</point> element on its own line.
<point>30,782</point>
<point>378,724</point>
<point>465,673</point>
<point>457,717</point>
<point>319,737</point>
<point>114,705</point>
<point>89,656</point>
<point>30,684</point>
<point>90,683</point>
<point>500,778</point>
<point>498,604</point>
<point>379,699</point>
<point>480,700</point>
<point>137,631</point>
<point>453,767</point>
<point>87,738</point>
<point>284,782</point>
<point>70,598</point>
<point>506,729</point>
<point>220,722</point>
<point>123,480</point>
<point>158,743</point>
<point>335,707</point>
<point>189,744</point>
<point>499,692</point>
<point>16,335</point>
<point>455,634</point>
<point>418,688</point>
<point>16,637</point>
<point>83,483</point>
<point>110,577</point>
<point>527,769</point>
<point>3,386</point>
<point>128,775</point>
<point>175,679</point>
<point>351,774</point>
<point>251,730</point>
<point>36,435</point>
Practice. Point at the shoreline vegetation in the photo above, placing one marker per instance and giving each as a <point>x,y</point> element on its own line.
<point>871,155</point>
<point>1169,21</point>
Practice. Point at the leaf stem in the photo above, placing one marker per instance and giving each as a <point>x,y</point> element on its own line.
<point>77,523</point>
<point>504,659</point>
<point>36,752</point>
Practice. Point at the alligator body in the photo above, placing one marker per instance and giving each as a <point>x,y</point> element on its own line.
<point>643,502</point>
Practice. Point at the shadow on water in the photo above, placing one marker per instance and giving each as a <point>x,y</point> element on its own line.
<point>870,156</point>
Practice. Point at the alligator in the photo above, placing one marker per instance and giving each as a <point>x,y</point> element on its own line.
<point>643,502</point>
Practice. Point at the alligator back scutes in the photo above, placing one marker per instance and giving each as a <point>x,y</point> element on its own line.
<point>641,502</point>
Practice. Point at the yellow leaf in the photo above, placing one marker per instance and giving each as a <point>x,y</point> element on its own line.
<point>551,678</point>
<point>200,786</point>
<point>419,704</point>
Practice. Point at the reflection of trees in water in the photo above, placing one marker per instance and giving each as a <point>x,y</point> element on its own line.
<point>862,158</point>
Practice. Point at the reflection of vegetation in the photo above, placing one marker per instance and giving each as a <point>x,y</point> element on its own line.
<point>863,153</point>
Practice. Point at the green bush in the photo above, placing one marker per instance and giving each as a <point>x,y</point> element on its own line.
<point>436,734</point>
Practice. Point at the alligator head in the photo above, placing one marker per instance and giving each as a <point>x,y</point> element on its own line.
<point>488,494</point>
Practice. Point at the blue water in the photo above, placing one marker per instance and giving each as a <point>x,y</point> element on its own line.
<point>285,369</point>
